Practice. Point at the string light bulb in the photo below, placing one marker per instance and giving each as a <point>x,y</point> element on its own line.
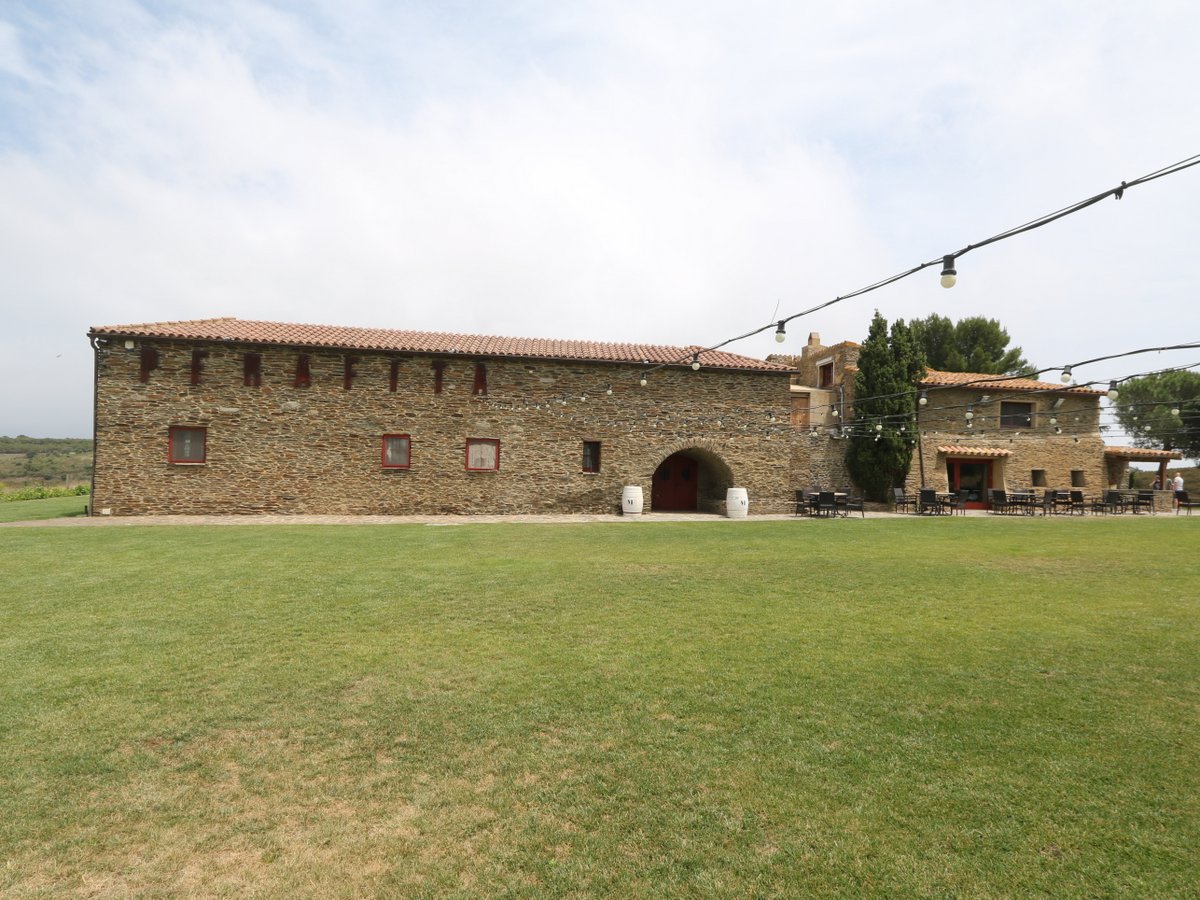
<point>608,390</point>
<point>970,413</point>
<point>1175,411</point>
<point>949,273</point>
<point>923,399</point>
<point>1053,420</point>
<point>695,362</point>
<point>878,427</point>
<point>1066,375</point>
<point>642,382</point>
<point>1113,393</point>
<point>780,333</point>
<point>835,412</point>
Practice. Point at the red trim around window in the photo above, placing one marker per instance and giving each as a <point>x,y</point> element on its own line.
<point>383,451</point>
<point>480,387</point>
<point>191,458</point>
<point>476,442</point>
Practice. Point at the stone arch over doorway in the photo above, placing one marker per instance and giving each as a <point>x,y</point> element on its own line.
<point>690,477</point>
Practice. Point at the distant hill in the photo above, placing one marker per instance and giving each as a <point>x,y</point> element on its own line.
<point>44,462</point>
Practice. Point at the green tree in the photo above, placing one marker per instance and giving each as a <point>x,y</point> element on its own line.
<point>889,365</point>
<point>973,344</point>
<point>1144,411</point>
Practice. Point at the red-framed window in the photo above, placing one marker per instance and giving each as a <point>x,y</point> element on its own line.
<point>394,375</point>
<point>591,456</point>
<point>480,387</point>
<point>483,455</point>
<point>396,451</point>
<point>252,370</point>
<point>439,374</point>
<point>187,445</point>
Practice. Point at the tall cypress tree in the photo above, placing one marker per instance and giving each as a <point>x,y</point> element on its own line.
<point>883,433</point>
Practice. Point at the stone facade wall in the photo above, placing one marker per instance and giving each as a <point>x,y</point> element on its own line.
<point>280,448</point>
<point>1033,446</point>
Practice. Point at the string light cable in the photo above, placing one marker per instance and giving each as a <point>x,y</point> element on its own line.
<point>946,260</point>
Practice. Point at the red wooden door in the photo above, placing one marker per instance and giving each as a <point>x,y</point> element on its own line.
<point>676,485</point>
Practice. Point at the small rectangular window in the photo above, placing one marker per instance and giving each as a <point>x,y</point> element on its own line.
<point>1077,478</point>
<point>480,387</point>
<point>349,370</point>
<point>252,370</point>
<point>483,455</point>
<point>149,362</point>
<point>1038,478</point>
<point>394,375</point>
<point>439,374</point>
<point>303,370</point>
<point>591,456</point>
<point>187,445</point>
<point>1016,415</point>
<point>198,357</point>
<point>825,375</point>
<point>396,449</point>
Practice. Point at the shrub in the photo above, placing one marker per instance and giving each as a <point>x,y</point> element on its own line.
<point>45,493</point>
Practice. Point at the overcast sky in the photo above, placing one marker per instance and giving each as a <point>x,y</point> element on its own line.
<point>644,172</point>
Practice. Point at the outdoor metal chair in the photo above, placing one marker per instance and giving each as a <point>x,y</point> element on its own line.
<point>826,507</point>
<point>1076,503</point>
<point>1182,502</point>
<point>1143,500</point>
<point>1111,503</point>
<point>928,503</point>
<point>1000,505</point>
<point>803,504</point>
<point>901,501</point>
<point>849,504</point>
<point>958,503</point>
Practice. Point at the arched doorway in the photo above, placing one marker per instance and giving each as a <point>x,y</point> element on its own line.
<point>690,479</point>
<point>676,485</point>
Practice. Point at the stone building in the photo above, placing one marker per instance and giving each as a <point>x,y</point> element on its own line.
<point>979,432</point>
<point>226,416</point>
<point>229,416</point>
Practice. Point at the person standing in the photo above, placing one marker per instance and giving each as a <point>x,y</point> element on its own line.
<point>1177,486</point>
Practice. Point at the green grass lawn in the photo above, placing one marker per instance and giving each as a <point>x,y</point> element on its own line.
<point>54,508</point>
<point>971,707</point>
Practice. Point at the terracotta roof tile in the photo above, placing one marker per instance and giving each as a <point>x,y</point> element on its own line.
<point>980,452</point>
<point>1142,454</point>
<point>934,378</point>
<point>342,337</point>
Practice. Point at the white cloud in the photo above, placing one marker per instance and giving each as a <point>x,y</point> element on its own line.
<point>612,171</point>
